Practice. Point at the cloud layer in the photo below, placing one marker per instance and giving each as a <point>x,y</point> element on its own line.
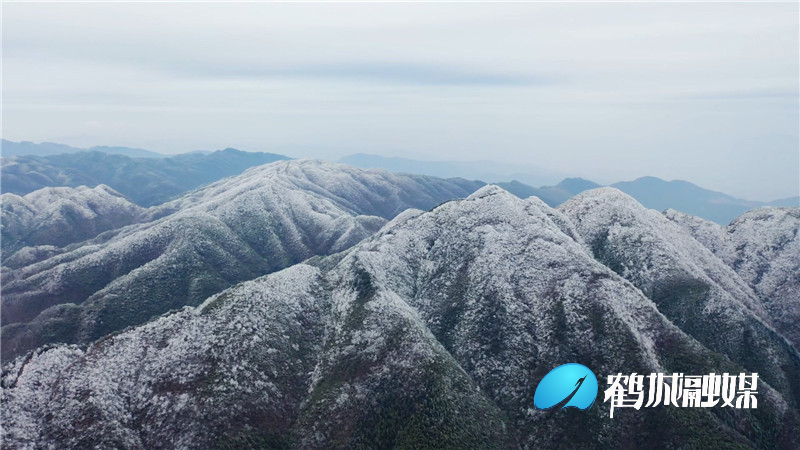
<point>706,92</point>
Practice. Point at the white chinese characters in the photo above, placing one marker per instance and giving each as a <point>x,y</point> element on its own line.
<point>683,391</point>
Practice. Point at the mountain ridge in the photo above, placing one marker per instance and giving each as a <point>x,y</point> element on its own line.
<point>11,148</point>
<point>236,229</point>
<point>434,330</point>
<point>145,181</point>
<point>651,191</point>
<point>761,246</point>
<point>489,171</point>
<point>158,182</point>
<point>690,285</point>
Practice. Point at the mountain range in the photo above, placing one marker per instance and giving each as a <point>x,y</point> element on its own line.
<point>11,148</point>
<point>181,252</point>
<point>149,181</point>
<point>309,304</point>
<point>477,170</point>
<point>430,330</point>
<point>520,180</point>
<point>145,181</point>
<point>654,193</point>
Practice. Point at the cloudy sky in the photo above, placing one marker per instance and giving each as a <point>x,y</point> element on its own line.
<point>706,92</point>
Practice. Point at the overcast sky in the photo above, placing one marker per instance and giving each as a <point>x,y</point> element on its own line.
<point>611,91</point>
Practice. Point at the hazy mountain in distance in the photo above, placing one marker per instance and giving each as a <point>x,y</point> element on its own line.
<point>432,333</point>
<point>489,171</point>
<point>521,181</point>
<point>149,182</point>
<point>789,201</point>
<point>658,194</point>
<point>146,181</point>
<point>654,193</point>
<point>552,195</point>
<point>236,229</point>
<point>61,216</point>
<point>10,148</point>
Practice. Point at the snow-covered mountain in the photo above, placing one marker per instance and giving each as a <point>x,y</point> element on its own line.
<point>433,332</point>
<point>61,216</point>
<point>234,230</point>
<point>146,181</point>
<point>692,287</point>
<point>763,247</point>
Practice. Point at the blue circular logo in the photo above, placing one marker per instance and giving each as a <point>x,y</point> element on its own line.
<point>567,386</point>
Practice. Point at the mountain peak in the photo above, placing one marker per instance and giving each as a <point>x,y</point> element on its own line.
<point>62,215</point>
<point>605,196</point>
<point>576,184</point>
<point>769,213</point>
<point>650,179</point>
<point>488,190</point>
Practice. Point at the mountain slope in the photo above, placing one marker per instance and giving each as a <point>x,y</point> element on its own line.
<point>763,247</point>
<point>689,284</point>
<point>61,216</point>
<point>434,332</point>
<point>146,181</point>
<point>239,228</point>
<point>768,257</point>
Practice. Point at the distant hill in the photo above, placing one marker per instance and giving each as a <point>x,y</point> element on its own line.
<point>686,197</point>
<point>474,170</point>
<point>145,181</point>
<point>10,148</point>
<point>789,201</point>
<point>520,180</point>
<point>552,195</point>
<point>654,193</point>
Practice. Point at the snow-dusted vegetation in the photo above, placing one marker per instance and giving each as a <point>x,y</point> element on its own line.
<point>434,332</point>
<point>763,247</point>
<point>147,181</point>
<point>59,216</point>
<point>692,287</point>
<point>237,229</point>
